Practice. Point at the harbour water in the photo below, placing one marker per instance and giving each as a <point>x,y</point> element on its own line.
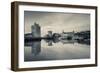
<point>55,50</point>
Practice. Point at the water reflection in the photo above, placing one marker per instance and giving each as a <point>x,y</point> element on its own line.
<point>50,42</point>
<point>45,49</point>
<point>36,47</point>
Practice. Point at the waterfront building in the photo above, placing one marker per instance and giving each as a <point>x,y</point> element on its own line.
<point>36,30</point>
<point>67,35</point>
<point>50,33</point>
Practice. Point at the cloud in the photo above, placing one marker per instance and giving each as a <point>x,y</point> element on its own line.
<point>57,21</point>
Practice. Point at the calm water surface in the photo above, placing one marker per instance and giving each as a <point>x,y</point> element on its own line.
<point>48,50</point>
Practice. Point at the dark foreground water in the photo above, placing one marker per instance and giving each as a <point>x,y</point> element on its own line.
<point>56,50</point>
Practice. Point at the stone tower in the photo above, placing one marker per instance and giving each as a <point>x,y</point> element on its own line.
<point>36,30</point>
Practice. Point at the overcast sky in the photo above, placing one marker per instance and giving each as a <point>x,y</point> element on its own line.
<point>57,22</point>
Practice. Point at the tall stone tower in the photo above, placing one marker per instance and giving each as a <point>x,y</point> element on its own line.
<point>36,30</point>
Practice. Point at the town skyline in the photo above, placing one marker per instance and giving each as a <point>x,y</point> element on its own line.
<point>57,22</point>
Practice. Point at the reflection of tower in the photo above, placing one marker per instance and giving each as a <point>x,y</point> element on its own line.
<point>36,30</point>
<point>36,47</point>
<point>50,33</point>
